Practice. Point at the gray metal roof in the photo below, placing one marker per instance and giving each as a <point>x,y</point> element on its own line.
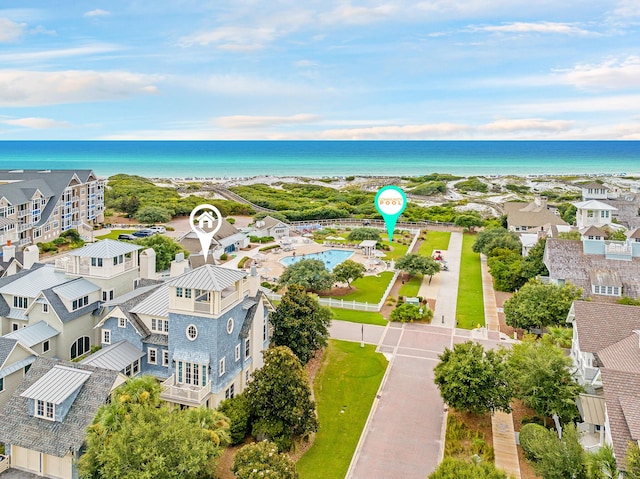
<point>115,357</point>
<point>208,278</point>
<point>123,298</point>
<point>12,368</point>
<point>6,346</point>
<point>57,384</point>
<point>61,310</point>
<point>105,249</point>
<point>156,304</point>
<point>34,281</point>
<point>52,437</point>
<point>15,313</point>
<point>33,334</point>
<point>191,356</point>
<point>75,289</point>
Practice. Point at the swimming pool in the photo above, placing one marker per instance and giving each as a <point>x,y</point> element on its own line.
<point>331,257</point>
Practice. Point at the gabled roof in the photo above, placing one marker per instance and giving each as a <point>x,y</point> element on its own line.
<point>634,233</point>
<point>592,231</point>
<point>61,310</point>
<point>594,205</point>
<point>270,222</point>
<point>208,278</point>
<point>75,289</point>
<point>105,249</point>
<point>605,277</point>
<point>33,334</point>
<point>623,355</point>
<point>51,437</point>
<point>590,320</point>
<point>6,346</point>
<point>155,304</point>
<point>30,282</point>
<point>115,357</point>
<point>531,215</point>
<point>594,186</point>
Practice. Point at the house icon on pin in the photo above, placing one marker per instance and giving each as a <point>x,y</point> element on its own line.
<point>205,220</point>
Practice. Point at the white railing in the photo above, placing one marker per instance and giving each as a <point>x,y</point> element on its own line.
<point>183,392</point>
<point>4,463</point>
<point>346,304</point>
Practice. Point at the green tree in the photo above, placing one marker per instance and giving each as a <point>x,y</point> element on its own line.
<point>238,411</point>
<point>558,336</point>
<point>533,263</point>
<point>280,399</point>
<point>632,461</point>
<point>491,239</point>
<point>153,214</point>
<point>474,380</point>
<point>410,312</point>
<point>308,273</point>
<point>468,221</point>
<point>505,266</point>
<point>360,234</point>
<point>542,379</point>
<point>567,212</point>
<point>132,437</point>
<point>261,460</point>
<point>417,264</point>
<point>165,248</point>
<point>602,464</point>
<point>555,458</point>
<point>537,305</point>
<point>453,468</point>
<point>300,323</point>
<point>348,271</point>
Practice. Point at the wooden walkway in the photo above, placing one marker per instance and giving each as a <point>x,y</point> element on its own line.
<point>504,444</point>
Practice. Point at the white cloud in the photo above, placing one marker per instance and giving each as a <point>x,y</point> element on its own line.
<point>609,75</point>
<point>232,38</point>
<point>44,55</point>
<point>351,14</point>
<point>37,123</point>
<point>533,27</point>
<point>618,103</point>
<point>400,132</point>
<point>527,124</point>
<point>248,86</point>
<point>246,121</point>
<point>34,88</point>
<point>10,31</point>
<point>305,64</point>
<point>97,13</point>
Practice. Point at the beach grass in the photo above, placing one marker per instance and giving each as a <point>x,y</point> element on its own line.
<point>411,287</point>
<point>436,240</point>
<point>470,305</point>
<point>114,234</point>
<point>364,317</point>
<point>344,387</point>
<point>368,289</point>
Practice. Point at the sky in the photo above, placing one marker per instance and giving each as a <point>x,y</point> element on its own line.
<point>327,69</point>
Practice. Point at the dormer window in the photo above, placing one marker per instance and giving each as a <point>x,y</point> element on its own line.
<point>45,410</point>
<point>79,303</point>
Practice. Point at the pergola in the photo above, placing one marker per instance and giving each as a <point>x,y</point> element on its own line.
<point>368,247</point>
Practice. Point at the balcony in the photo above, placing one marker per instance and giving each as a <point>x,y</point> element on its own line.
<point>23,213</point>
<point>619,250</point>
<point>184,393</point>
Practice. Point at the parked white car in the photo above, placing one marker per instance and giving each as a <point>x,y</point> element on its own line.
<point>158,229</point>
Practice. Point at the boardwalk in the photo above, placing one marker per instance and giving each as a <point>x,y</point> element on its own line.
<point>504,444</point>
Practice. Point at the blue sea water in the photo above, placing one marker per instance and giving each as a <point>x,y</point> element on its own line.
<point>230,159</point>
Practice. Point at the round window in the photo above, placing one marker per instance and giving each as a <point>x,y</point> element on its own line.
<point>192,332</point>
<point>229,325</point>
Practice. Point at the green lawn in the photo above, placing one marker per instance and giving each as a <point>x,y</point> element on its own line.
<point>344,388</point>
<point>114,234</point>
<point>412,287</point>
<point>436,240</point>
<point>366,317</point>
<point>470,306</point>
<point>369,289</point>
<point>398,250</point>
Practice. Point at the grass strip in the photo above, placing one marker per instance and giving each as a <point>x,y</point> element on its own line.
<point>470,305</point>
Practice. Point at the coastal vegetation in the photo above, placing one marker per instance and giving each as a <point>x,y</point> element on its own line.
<point>345,387</point>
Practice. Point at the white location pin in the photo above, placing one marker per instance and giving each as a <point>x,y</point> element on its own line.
<point>209,222</point>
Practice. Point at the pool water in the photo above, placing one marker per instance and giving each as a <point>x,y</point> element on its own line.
<point>331,257</point>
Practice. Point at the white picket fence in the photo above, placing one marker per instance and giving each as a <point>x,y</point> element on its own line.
<point>346,304</point>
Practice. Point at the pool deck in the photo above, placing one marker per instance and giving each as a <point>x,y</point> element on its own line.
<point>271,267</point>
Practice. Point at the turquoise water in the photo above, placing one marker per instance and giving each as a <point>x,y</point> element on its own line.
<point>225,159</point>
<point>331,258</point>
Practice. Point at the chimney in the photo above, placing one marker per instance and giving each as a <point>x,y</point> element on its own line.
<point>254,280</point>
<point>178,265</point>
<point>30,256</point>
<point>148,264</point>
<point>8,251</point>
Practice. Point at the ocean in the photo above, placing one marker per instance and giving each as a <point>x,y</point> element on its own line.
<point>234,159</point>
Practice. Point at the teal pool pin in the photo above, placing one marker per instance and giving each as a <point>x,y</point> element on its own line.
<point>390,202</point>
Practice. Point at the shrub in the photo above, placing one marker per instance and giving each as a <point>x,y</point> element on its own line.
<point>242,262</point>
<point>532,436</point>
<point>238,412</point>
<point>270,247</point>
<point>224,257</point>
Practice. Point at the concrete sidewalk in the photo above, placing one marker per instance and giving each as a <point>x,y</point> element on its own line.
<point>448,284</point>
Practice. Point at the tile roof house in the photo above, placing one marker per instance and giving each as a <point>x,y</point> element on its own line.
<point>45,420</point>
<point>530,216</point>
<point>606,353</point>
<point>39,205</point>
<point>202,333</point>
<point>227,239</point>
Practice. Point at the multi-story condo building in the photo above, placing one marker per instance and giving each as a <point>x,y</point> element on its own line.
<point>36,206</point>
